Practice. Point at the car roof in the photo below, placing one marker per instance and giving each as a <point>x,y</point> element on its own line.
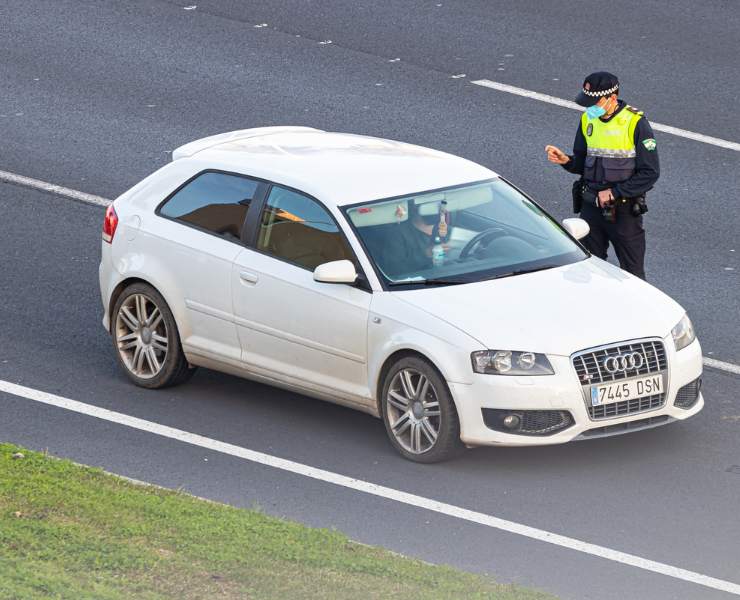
<point>338,168</point>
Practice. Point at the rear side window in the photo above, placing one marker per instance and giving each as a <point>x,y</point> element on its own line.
<point>216,202</point>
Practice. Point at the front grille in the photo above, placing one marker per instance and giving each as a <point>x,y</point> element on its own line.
<point>626,407</point>
<point>591,370</point>
<point>589,364</point>
<point>531,422</point>
<point>688,394</point>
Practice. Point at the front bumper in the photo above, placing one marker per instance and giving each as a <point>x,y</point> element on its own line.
<point>562,392</point>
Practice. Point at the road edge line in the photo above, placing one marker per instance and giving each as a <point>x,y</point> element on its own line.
<point>37,184</point>
<point>721,365</point>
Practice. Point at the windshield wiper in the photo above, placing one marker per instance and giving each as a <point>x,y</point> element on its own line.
<point>442,281</point>
<point>524,271</point>
<point>439,281</point>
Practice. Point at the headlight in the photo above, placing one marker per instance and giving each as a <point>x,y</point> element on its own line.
<point>683,333</point>
<point>507,362</point>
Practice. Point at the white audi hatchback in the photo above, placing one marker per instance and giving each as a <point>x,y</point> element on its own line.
<point>405,282</point>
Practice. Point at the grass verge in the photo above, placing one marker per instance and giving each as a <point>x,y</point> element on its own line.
<point>68,531</point>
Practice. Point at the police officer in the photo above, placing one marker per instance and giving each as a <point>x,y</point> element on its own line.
<point>616,155</point>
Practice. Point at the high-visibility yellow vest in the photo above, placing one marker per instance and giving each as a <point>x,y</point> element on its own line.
<point>613,142</point>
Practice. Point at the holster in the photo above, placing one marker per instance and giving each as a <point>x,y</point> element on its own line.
<point>588,196</point>
<point>639,205</point>
<point>577,192</point>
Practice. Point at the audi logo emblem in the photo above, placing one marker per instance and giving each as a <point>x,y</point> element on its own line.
<point>623,362</point>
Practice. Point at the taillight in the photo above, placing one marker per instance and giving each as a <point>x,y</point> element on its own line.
<point>109,224</point>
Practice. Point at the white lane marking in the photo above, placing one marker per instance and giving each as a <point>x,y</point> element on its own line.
<point>720,364</point>
<point>367,487</point>
<point>100,201</point>
<point>691,135</point>
<point>37,184</point>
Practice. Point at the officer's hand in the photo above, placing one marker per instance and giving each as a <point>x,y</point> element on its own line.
<point>556,155</point>
<point>605,197</point>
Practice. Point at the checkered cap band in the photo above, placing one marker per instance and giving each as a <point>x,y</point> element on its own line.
<point>608,92</point>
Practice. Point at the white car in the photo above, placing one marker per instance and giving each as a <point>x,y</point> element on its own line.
<point>408,283</point>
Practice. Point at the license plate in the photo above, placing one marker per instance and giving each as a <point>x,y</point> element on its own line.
<point>626,390</point>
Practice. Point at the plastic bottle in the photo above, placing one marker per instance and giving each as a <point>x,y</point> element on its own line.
<point>438,253</point>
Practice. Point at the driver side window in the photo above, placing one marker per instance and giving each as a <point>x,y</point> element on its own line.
<point>297,229</point>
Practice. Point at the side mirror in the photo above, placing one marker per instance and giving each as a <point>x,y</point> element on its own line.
<point>578,228</point>
<point>337,271</point>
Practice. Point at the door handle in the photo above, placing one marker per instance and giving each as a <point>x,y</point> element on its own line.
<point>248,277</point>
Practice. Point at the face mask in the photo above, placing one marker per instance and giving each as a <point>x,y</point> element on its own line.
<point>594,112</point>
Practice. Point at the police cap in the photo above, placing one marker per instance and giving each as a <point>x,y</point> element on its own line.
<point>596,86</point>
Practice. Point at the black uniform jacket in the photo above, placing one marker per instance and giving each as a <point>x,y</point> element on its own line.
<point>401,249</point>
<point>647,167</point>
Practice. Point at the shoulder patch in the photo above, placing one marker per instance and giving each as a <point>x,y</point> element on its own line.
<point>650,144</point>
<point>635,110</point>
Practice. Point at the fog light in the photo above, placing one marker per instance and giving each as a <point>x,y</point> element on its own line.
<point>512,421</point>
<point>528,422</point>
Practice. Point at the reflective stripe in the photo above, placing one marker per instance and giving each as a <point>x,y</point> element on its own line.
<point>611,153</point>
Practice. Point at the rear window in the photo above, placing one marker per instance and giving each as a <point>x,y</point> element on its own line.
<point>216,202</point>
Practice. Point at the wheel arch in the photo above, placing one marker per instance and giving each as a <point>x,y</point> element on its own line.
<point>130,280</point>
<point>390,361</point>
<point>116,294</point>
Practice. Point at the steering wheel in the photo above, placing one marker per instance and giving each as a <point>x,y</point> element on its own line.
<point>478,239</point>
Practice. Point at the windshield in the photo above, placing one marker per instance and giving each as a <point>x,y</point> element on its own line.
<point>459,235</point>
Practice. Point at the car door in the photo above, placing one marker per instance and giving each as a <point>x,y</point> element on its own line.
<point>199,236</point>
<point>292,328</point>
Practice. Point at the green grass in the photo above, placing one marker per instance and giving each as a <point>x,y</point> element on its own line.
<point>68,531</point>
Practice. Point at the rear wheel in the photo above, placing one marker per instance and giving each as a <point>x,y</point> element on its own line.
<point>419,413</point>
<point>146,339</point>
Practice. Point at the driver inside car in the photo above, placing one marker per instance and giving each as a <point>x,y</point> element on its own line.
<point>407,245</point>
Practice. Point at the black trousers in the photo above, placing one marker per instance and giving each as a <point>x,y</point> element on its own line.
<point>627,236</point>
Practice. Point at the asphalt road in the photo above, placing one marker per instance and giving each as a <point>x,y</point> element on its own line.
<point>99,102</point>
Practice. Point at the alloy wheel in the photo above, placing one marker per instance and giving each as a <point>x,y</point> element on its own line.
<point>413,411</point>
<point>141,336</point>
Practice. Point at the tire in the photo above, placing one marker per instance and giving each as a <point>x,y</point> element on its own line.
<point>146,339</point>
<point>422,424</point>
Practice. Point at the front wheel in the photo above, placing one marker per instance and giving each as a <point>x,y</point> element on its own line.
<point>419,413</point>
<point>146,339</point>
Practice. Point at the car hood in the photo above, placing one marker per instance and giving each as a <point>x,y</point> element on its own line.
<point>556,311</point>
